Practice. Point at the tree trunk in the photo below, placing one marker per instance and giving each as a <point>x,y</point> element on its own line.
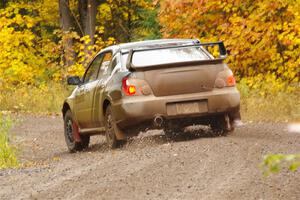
<point>91,19</point>
<point>82,5</point>
<point>129,21</point>
<point>87,13</point>
<point>66,26</point>
<point>3,3</point>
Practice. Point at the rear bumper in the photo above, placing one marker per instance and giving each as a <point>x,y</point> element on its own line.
<point>131,111</point>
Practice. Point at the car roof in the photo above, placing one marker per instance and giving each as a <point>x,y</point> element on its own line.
<point>151,43</point>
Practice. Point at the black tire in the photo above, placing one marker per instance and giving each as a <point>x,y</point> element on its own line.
<point>222,125</point>
<point>172,129</point>
<point>85,141</point>
<point>69,129</point>
<point>111,129</point>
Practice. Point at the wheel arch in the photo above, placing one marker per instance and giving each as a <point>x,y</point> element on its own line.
<point>65,108</point>
<point>105,104</point>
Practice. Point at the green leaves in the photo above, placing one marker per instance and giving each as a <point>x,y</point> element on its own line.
<point>274,163</point>
<point>7,153</point>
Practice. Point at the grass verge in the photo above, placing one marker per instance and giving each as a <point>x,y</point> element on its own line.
<point>43,99</point>
<point>266,104</point>
<point>8,157</point>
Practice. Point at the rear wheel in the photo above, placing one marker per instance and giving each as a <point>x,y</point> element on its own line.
<point>74,141</point>
<point>111,130</point>
<point>172,129</point>
<point>222,125</point>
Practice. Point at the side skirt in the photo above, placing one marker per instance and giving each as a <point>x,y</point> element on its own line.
<point>92,131</point>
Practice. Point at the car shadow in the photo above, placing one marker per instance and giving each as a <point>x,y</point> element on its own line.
<point>157,137</point>
<point>153,138</point>
<point>98,147</point>
<point>193,133</point>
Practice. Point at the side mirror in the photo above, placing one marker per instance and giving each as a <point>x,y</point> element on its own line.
<point>73,80</point>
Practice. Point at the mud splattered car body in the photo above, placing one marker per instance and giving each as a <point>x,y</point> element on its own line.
<point>165,84</point>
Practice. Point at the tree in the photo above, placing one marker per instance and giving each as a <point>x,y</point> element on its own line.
<point>121,19</point>
<point>86,24</point>
<point>262,36</point>
<point>28,49</point>
<point>67,27</point>
<point>87,12</point>
<point>3,3</point>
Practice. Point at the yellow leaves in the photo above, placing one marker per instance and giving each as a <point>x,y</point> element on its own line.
<point>262,36</point>
<point>105,10</point>
<point>21,59</point>
<point>76,69</point>
<point>85,39</point>
<point>271,84</point>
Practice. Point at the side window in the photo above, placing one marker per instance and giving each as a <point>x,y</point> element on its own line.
<point>104,67</point>
<point>92,71</point>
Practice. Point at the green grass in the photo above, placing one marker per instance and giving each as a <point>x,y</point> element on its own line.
<point>8,157</point>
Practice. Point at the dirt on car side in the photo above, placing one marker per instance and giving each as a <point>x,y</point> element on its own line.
<point>192,166</point>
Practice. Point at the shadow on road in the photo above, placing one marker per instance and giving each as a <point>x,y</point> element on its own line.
<point>152,138</point>
<point>156,138</point>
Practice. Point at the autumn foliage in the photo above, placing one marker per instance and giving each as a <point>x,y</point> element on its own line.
<point>32,42</point>
<point>28,50</point>
<point>262,36</point>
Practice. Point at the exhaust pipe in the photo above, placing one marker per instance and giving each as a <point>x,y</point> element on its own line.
<point>158,121</point>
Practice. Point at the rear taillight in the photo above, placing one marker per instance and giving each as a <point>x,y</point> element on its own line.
<point>230,81</point>
<point>225,78</point>
<point>127,88</point>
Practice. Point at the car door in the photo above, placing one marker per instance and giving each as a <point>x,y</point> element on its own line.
<point>85,94</point>
<point>107,65</point>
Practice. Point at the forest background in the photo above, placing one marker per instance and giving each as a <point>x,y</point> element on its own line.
<point>44,41</point>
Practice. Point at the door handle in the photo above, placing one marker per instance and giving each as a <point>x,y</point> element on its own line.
<point>81,91</point>
<point>87,90</point>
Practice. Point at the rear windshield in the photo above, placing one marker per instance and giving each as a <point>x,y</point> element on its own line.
<point>165,56</point>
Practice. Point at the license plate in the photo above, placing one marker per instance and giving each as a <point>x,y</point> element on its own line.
<point>183,108</point>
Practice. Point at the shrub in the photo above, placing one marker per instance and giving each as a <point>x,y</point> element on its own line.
<point>7,153</point>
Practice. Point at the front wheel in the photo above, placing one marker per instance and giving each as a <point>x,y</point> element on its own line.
<point>74,141</point>
<point>111,129</point>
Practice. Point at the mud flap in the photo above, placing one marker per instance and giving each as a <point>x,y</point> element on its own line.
<point>120,135</point>
<point>76,134</point>
<point>227,123</point>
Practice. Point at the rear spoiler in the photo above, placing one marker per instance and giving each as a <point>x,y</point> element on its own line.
<point>222,51</point>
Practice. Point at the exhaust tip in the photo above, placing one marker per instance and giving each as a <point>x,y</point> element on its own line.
<point>158,121</point>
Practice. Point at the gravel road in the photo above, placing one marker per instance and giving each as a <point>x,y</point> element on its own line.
<point>193,166</point>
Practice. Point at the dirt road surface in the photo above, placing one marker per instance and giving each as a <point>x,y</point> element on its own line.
<point>150,166</point>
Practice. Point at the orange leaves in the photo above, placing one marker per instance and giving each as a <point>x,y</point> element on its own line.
<point>262,36</point>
